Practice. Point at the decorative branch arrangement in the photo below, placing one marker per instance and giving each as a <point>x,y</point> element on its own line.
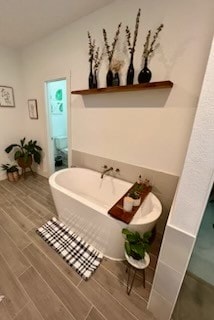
<point>91,45</point>
<point>131,47</point>
<point>145,74</point>
<point>114,65</point>
<point>149,47</point>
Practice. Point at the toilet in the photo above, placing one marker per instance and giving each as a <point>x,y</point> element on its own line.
<point>61,147</point>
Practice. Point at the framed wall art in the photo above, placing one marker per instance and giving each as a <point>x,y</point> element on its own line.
<point>6,97</point>
<point>32,109</point>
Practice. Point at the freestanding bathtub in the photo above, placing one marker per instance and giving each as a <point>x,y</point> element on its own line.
<point>82,201</point>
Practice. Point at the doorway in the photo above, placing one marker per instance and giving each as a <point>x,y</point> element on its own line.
<point>56,92</point>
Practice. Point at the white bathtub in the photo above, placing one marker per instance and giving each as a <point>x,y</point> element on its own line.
<point>83,199</point>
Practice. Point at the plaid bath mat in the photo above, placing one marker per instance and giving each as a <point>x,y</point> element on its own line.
<point>75,251</point>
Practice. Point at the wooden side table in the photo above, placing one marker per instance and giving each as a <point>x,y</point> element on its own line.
<point>136,265</point>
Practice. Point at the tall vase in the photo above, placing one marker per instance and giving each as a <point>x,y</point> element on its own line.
<point>109,78</point>
<point>130,73</point>
<point>95,79</point>
<point>90,77</point>
<point>145,74</point>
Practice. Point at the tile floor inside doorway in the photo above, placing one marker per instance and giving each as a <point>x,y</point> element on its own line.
<point>39,285</point>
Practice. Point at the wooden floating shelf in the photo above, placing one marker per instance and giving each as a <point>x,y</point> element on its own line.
<point>132,87</point>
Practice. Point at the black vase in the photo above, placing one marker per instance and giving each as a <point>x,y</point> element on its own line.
<point>109,78</point>
<point>130,73</point>
<point>90,78</point>
<point>116,80</point>
<point>145,74</point>
<point>95,80</point>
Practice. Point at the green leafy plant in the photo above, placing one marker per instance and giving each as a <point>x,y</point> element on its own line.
<point>9,167</point>
<point>136,245</point>
<point>25,150</point>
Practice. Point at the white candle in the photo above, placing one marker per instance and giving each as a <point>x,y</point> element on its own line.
<point>127,204</point>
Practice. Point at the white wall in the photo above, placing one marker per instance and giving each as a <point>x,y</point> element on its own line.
<point>189,204</point>
<point>155,138</point>
<point>11,119</point>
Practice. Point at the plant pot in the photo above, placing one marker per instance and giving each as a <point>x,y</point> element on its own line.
<point>25,164</point>
<point>13,176</point>
<point>136,202</point>
<point>139,264</point>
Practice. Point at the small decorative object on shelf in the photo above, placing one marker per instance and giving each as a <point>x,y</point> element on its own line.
<point>91,58</point>
<point>145,74</point>
<point>116,65</point>
<point>130,73</point>
<point>110,53</point>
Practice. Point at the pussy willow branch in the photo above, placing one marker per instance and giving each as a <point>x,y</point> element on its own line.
<point>110,52</point>
<point>148,50</point>
<point>136,30</point>
<point>128,34</point>
<point>146,44</point>
<point>97,58</point>
<point>91,45</point>
<point>128,38</point>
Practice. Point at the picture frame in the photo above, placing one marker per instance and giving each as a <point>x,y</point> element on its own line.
<point>32,109</point>
<point>6,96</point>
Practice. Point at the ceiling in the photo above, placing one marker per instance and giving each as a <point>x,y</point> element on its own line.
<point>25,21</point>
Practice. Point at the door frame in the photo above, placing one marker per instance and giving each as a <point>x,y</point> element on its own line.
<point>50,155</point>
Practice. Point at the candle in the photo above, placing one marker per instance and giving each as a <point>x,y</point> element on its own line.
<point>127,204</point>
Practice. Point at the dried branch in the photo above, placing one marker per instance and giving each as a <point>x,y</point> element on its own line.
<point>98,58</point>
<point>136,30</point>
<point>128,38</point>
<point>91,45</point>
<point>110,51</point>
<point>146,44</point>
<point>128,34</point>
<point>149,49</point>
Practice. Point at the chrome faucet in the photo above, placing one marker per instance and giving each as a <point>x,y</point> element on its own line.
<point>106,170</point>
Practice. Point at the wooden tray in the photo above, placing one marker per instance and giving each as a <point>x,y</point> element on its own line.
<point>117,210</point>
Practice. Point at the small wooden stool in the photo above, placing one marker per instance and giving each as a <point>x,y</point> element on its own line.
<point>136,265</point>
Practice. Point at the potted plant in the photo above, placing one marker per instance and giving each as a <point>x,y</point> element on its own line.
<point>12,171</point>
<point>136,197</point>
<point>135,192</point>
<point>136,245</point>
<point>26,153</point>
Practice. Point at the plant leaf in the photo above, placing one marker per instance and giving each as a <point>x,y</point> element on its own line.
<point>126,231</point>
<point>17,154</point>
<point>10,147</point>
<point>127,248</point>
<point>139,249</point>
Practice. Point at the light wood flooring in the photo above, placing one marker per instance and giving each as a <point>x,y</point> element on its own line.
<point>39,285</point>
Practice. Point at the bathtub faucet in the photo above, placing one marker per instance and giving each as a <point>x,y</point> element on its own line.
<point>105,171</point>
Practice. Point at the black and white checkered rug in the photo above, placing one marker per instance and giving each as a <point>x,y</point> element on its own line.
<point>75,251</point>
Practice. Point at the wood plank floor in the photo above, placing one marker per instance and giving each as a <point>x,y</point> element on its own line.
<point>39,285</point>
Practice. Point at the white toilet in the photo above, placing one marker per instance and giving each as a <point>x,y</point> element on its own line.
<point>61,146</point>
